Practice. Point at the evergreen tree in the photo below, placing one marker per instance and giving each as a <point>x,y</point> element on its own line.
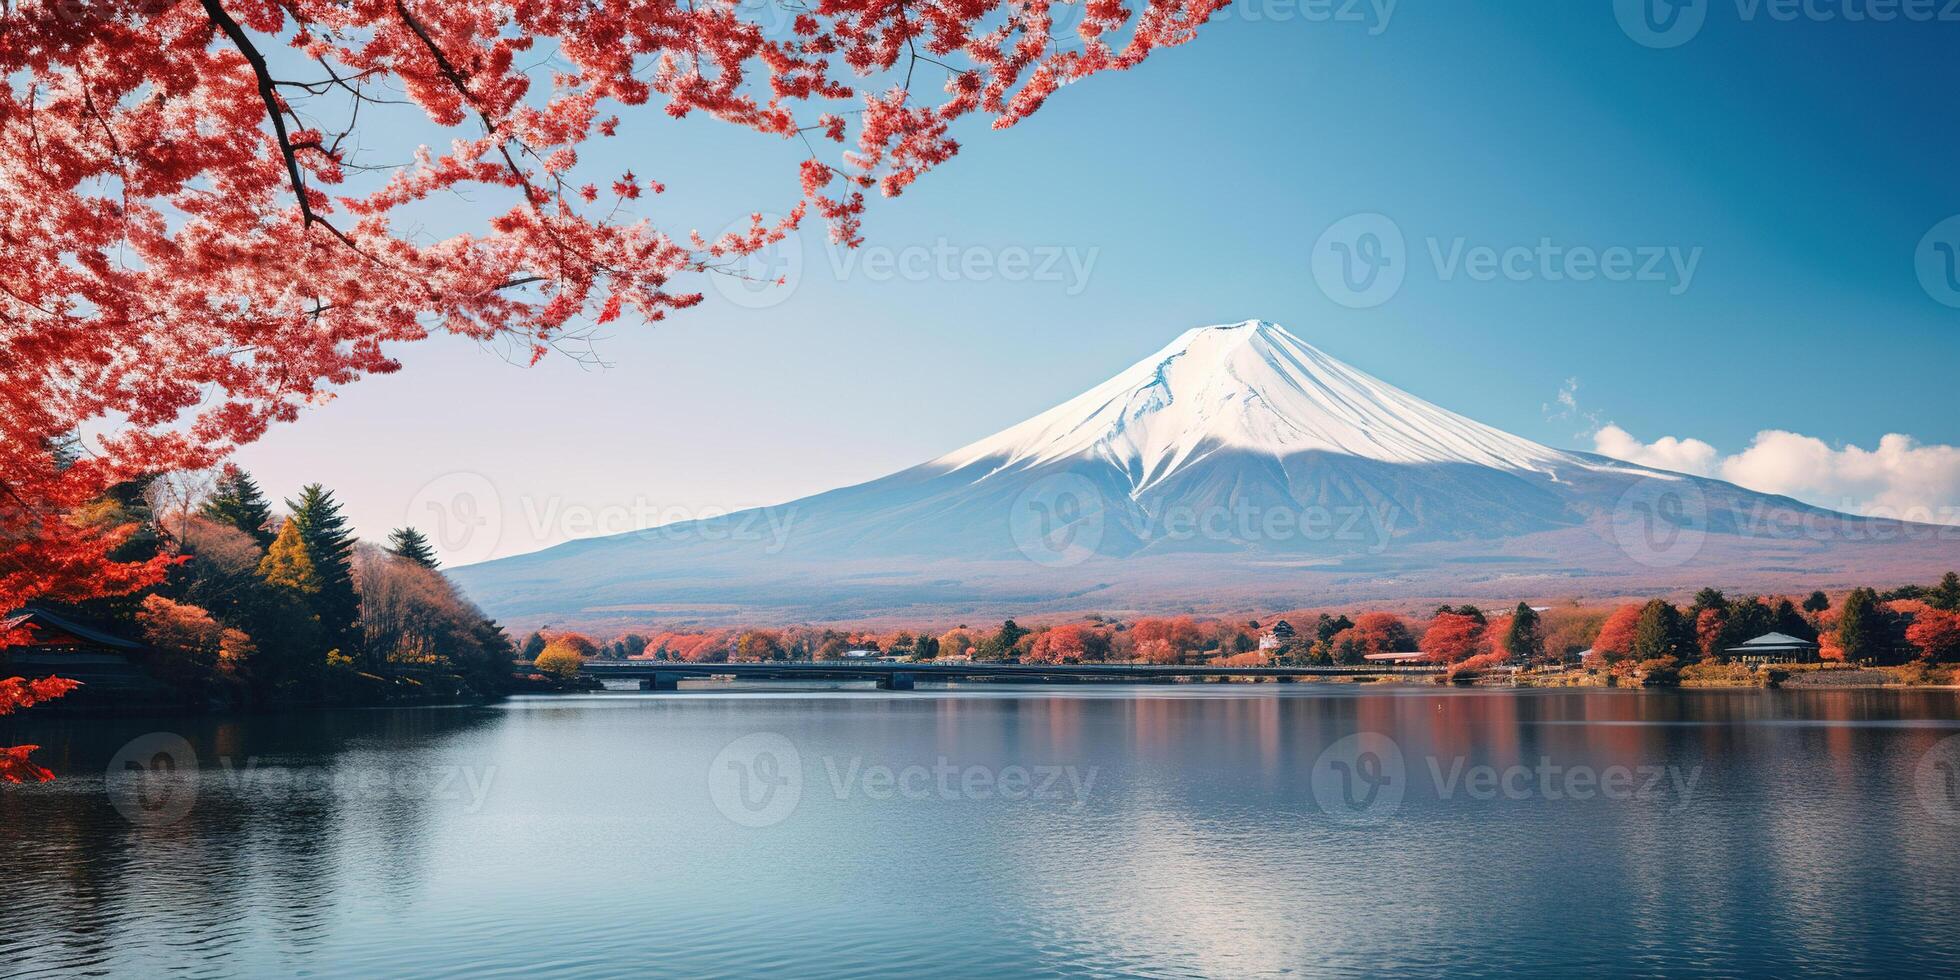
<point>1327,627</point>
<point>237,502</point>
<point>1010,634</point>
<point>331,547</point>
<point>1817,602</point>
<point>1525,641</point>
<point>1789,622</point>
<point>1860,634</point>
<point>489,670</point>
<point>1946,595</point>
<point>408,544</point>
<point>1662,633</point>
<point>533,645</point>
<point>286,564</point>
<point>1709,598</point>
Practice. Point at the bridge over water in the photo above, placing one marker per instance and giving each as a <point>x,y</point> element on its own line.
<point>663,675</point>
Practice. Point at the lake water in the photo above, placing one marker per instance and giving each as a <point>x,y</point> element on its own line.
<point>1214,830</point>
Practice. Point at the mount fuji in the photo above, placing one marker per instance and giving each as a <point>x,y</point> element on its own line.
<point>1238,468</point>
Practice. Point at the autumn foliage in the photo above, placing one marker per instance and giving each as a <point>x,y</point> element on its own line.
<point>565,654</point>
<point>1453,637</point>
<point>16,694</point>
<point>1616,635</point>
<point>1936,632</point>
<point>214,212</point>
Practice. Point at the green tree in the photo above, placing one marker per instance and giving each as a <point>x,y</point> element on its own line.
<point>1709,598</point>
<point>1789,622</point>
<point>1010,633</point>
<point>237,502</point>
<point>331,547</point>
<point>1525,641</point>
<point>1662,633</point>
<point>487,668</point>
<point>1860,629</point>
<point>1946,595</point>
<point>408,544</point>
<point>1817,602</point>
<point>1327,627</point>
<point>533,645</point>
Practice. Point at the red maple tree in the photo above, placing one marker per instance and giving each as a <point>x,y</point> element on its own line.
<point>195,250</point>
<point>1452,637</point>
<point>16,694</point>
<point>211,212</point>
<point>1615,639</point>
<point>1936,632</point>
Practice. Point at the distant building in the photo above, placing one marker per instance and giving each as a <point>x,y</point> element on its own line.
<point>1773,648</point>
<point>861,654</point>
<point>59,645</point>
<point>1276,637</point>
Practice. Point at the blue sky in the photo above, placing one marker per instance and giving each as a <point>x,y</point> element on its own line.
<point>1798,163</point>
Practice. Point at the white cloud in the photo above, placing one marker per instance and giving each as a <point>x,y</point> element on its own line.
<point>1567,400</point>
<point>1901,478</point>
<point>1666,453</point>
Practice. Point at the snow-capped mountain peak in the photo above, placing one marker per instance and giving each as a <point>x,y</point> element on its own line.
<point>1236,469</point>
<point>1249,386</point>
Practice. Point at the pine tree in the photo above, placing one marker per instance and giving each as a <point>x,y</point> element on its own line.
<point>331,547</point>
<point>286,564</point>
<point>533,645</point>
<point>1525,642</point>
<point>1817,602</point>
<point>1662,633</point>
<point>1010,634</point>
<point>237,502</point>
<point>1709,598</point>
<point>1946,595</point>
<point>1859,632</point>
<point>1789,622</point>
<point>408,544</point>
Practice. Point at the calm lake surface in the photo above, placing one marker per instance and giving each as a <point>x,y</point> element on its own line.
<point>1192,830</point>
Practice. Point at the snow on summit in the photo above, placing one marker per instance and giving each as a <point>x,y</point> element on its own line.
<point>1236,468</point>
<point>1250,386</point>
